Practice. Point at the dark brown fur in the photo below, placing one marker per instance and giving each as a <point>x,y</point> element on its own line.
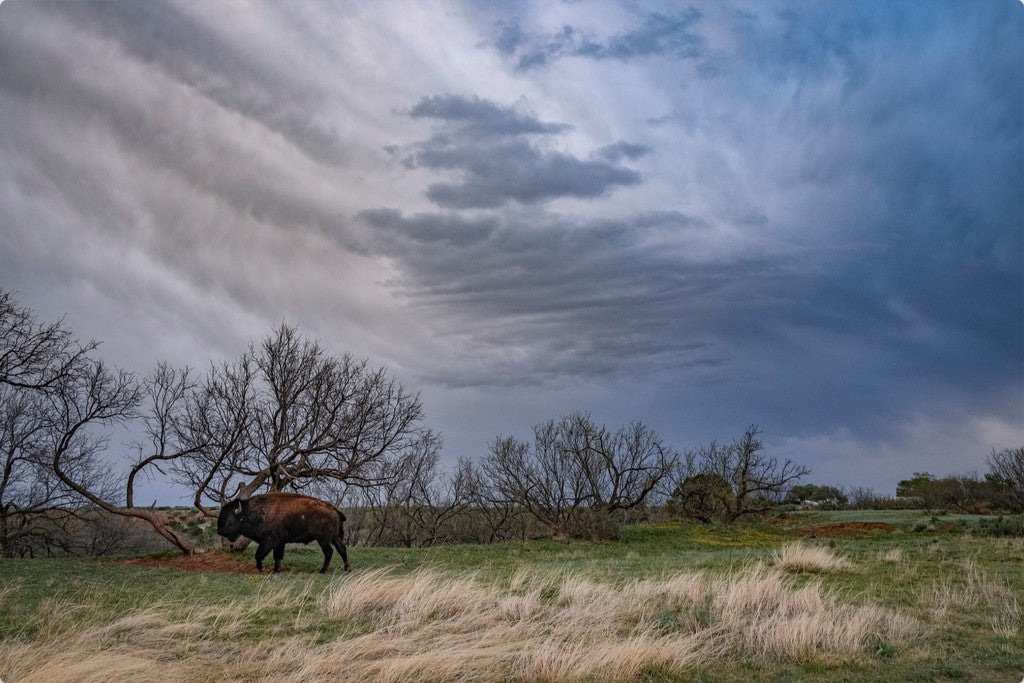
<point>274,519</point>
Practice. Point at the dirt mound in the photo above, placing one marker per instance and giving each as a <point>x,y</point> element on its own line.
<point>203,562</point>
<point>846,529</point>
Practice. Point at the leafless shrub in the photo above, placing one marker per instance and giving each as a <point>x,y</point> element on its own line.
<point>492,516</point>
<point>732,481</point>
<point>417,503</point>
<point>758,481</point>
<point>575,471</point>
<point>1007,474</point>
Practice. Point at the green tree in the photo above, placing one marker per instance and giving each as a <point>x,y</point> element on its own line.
<point>916,486</point>
<point>706,497</point>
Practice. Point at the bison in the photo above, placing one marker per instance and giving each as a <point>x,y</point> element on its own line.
<point>273,519</point>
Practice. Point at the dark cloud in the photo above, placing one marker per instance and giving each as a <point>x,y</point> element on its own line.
<point>509,37</point>
<point>579,297</point>
<point>919,136</point>
<point>490,147</point>
<point>881,265</point>
<point>661,35</point>
<point>472,115</point>
<point>622,149</point>
<point>670,220</point>
<point>494,175</point>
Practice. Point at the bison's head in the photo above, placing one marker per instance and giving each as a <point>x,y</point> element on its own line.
<point>229,524</point>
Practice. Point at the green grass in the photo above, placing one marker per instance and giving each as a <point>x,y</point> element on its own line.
<point>901,518</point>
<point>965,590</point>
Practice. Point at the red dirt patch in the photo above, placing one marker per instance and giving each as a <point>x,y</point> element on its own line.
<point>847,529</point>
<point>203,562</point>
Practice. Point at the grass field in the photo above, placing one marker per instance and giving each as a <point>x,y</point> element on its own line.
<point>815,596</point>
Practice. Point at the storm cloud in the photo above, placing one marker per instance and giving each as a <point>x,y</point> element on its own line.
<point>811,217</point>
<point>491,148</point>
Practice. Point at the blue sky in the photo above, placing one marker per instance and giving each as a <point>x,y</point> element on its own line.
<point>808,216</point>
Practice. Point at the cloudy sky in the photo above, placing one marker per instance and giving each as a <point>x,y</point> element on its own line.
<point>808,216</point>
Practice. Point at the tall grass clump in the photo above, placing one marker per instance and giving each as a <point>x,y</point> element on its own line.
<point>892,556</point>
<point>799,558</point>
<point>972,589</point>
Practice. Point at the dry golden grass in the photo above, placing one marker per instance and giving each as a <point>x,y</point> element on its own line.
<point>441,627</point>
<point>969,589</point>
<point>893,556</point>
<point>1009,619</point>
<point>799,558</point>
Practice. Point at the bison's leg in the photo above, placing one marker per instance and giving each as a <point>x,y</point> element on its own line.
<point>340,545</point>
<point>261,552</point>
<point>278,554</point>
<point>328,552</point>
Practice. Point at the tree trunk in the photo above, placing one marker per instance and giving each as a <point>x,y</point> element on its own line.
<point>182,542</point>
<point>5,549</point>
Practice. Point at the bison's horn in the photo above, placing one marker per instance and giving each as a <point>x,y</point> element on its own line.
<point>241,493</point>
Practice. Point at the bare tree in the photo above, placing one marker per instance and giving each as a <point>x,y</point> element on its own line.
<point>624,467</point>
<point>1007,472</point>
<point>575,467</point>
<point>58,403</point>
<point>433,498</point>
<point>758,481</point>
<point>863,498</point>
<point>35,355</point>
<point>25,490</point>
<point>30,494</point>
<point>199,428</point>
<point>88,401</point>
<point>33,358</point>
<point>500,518</point>
<point>543,481</point>
<point>391,503</point>
<point>417,505</point>
<point>286,415</point>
